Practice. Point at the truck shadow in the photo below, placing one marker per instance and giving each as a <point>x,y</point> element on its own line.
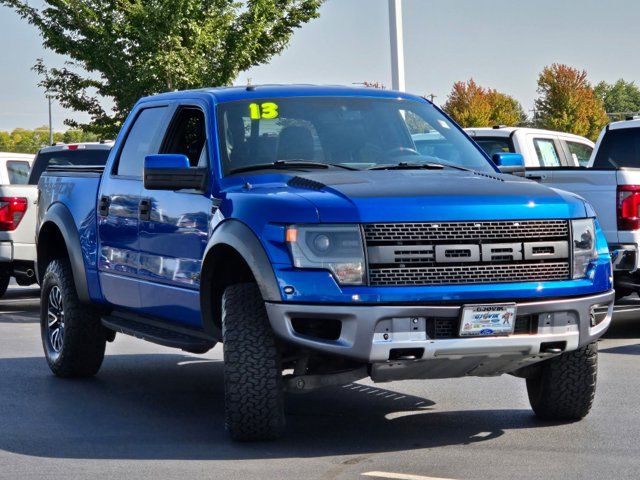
<point>171,407</point>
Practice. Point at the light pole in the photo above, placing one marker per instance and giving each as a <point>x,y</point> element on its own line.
<point>397,45</point>
<point>50,119</point>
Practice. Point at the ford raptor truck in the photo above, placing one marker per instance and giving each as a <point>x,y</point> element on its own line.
<point>301,228</point>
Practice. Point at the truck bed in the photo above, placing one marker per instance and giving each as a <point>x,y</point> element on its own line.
<point>74,189</point>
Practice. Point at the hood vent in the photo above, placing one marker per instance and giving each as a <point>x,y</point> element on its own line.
<point>301,182</point>
<point>488,175</point>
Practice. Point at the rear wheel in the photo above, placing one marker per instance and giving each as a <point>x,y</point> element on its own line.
<point>254,396</point>
<point>566,385</point>
<point>5,277</point>
<point>72,335</point>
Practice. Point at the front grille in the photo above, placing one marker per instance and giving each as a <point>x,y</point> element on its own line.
<point>456,275</point>
<point>454,253</point>
<point>459,231</point>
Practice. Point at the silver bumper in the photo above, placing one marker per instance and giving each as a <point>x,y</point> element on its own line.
<point>375,334</point>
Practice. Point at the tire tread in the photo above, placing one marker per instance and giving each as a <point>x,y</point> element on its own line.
<point>254,398</point>
<point>566,387</point>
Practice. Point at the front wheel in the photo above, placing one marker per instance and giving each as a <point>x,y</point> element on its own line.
<point>566,385</point>
<point>72,335</point>
<point>253,390</point>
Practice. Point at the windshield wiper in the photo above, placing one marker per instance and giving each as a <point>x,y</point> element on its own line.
<point>284,164</point>
<point>408,166</point>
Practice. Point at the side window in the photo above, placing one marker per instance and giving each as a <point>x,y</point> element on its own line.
<point>143,139</point>
<point>580,152</point>
<point>18,172</point>
<point>187,136</point>
<point>546,152</point>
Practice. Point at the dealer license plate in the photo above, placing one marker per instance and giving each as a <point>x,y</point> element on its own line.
<point>487,320</point>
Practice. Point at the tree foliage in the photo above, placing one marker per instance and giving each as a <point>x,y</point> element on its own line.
<point>621,97</point>
<point>122,50</point>
<point>567,102</point>
<point>21,140</point>
<point>471,105</point>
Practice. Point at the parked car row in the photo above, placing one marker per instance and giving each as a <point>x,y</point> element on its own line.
<point>18,203</point>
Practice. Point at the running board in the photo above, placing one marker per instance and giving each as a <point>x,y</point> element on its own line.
<point>159,333</point>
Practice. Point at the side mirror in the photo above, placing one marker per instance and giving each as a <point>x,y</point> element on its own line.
<point>512,163</point>
<point>172,172</point>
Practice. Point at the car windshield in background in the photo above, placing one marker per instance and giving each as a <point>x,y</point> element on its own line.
<point>92,157</point>
<point>493,145</point>
<point>619,148</point>
<point>354,133</point>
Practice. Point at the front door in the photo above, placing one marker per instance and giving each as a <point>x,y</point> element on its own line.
<point>119,210</point>
<point>174,232</point>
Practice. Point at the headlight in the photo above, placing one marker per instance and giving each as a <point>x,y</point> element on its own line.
<point>584,246</point>
<point>337,248</point>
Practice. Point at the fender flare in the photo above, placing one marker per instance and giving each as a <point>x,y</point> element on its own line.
<point>240,237</point>
<point>60,216</point>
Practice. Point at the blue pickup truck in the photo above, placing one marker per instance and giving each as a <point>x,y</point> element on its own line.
<point>301,227</point>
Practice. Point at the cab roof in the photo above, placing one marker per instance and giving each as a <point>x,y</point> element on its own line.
<point>231,94</point>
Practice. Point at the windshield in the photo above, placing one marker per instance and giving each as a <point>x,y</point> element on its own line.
<point>66,157</point>
<point>357,133</point>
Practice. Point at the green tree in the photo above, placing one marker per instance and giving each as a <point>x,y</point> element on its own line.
<point>122,50</point>
<point>567,102</point>
<point>471,105</point>
<point>21,140</point>
<point>620,97</point>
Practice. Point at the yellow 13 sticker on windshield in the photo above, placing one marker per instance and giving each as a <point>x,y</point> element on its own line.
<point>266,110</point>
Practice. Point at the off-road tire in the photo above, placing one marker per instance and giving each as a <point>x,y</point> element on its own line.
<point>5,277</point>
<point>84,340</point>
<point>253,390</point>
<point>566,386</point>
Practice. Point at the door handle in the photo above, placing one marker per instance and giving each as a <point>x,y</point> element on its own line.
<point>536,177</point>
<point>145,209</point>
<point>103,206</point>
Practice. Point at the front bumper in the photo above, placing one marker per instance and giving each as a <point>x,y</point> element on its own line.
<point>562,325</point>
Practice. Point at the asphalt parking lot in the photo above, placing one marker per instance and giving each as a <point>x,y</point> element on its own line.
<point>156,413</point>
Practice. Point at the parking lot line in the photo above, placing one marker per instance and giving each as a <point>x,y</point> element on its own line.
<point>401,476</point>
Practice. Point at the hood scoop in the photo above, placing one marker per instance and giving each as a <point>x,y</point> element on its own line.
<point>307,183</point>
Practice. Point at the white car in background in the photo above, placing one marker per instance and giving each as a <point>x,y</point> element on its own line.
<point>539,148</point>
<point>18,204</point>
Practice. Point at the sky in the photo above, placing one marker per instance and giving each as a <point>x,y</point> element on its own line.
<point>502,44</point>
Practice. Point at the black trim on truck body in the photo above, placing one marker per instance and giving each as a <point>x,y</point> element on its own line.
<point>239,237</point>
<point>59,216</point>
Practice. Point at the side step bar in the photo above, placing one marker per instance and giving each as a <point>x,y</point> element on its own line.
<point>159,333</point>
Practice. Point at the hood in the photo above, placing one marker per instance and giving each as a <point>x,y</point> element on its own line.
<point>420,195</point>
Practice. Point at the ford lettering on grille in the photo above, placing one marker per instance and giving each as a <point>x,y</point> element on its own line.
<point>468,252</point>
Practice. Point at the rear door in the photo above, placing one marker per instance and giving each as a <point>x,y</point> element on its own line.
<point>119,207</point>
<point>548,151</point>
<point>577,151</point>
